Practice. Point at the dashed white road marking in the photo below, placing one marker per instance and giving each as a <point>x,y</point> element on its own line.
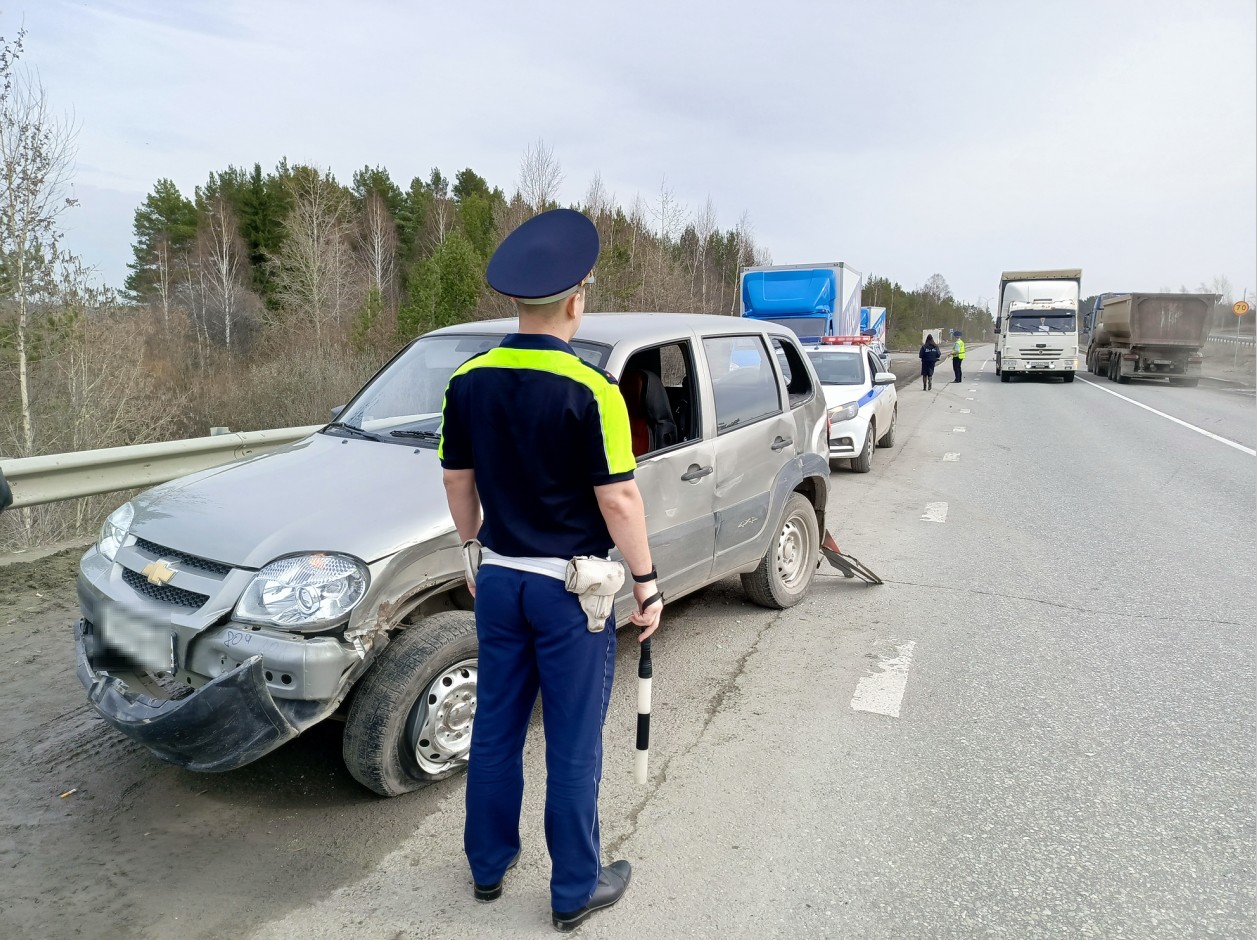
<point>958,430</point>
<point>966,411</point>
<point>968,399</point>
<point>1191,427</point>
<point>952,457</point>
<point>934,512</point>
<point>882,691</point>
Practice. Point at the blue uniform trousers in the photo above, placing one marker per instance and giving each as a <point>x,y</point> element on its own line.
<point>533,636</point>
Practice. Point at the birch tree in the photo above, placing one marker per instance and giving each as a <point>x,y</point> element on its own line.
<point>314,269</point>
<point>704,228</point>
<point>377,247</point>
<point>540,176</point>
<point>36,163</point>
<point>224,266</point>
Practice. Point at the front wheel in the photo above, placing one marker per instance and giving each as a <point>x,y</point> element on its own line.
<point>411,718</point>
<point>1068,376</point>
<point>1005,377</point>
<point>785,572</point>
<point>864,463</point>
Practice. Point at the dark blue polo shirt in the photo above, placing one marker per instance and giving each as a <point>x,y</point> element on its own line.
<point>540,428</point>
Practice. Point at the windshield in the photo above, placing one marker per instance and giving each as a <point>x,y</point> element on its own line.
<point>837,367</point>
<point>804,327</point>
<point>1041,321</point>
<point>406,397</point>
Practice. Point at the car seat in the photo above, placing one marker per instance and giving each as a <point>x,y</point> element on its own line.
<point>650,415</point>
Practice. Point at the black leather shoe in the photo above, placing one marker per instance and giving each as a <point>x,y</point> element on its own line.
<point>612,884</point>
<point>488,893</point>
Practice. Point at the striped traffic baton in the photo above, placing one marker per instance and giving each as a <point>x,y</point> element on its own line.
<point>645,669</point>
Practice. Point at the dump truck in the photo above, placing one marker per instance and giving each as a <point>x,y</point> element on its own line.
<point>813,300</point>
<point>1036,329</point>
<point>1151,336</point>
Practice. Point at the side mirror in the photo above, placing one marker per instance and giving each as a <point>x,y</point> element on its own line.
<point>335,412</point>
<point>884,378</point>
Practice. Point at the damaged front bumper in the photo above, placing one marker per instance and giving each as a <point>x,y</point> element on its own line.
<point>226,723</point>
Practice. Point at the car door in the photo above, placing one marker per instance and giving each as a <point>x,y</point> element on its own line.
<point>800,389</point>
<point>677,478</point>
<point>754,438</point>
<point>881,401</point>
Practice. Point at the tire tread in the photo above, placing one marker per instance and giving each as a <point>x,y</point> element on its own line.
<point>369,746</point>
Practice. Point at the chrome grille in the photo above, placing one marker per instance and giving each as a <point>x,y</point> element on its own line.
<point>182,558</point>
<point>1043,353</point>
<point>165,593</point>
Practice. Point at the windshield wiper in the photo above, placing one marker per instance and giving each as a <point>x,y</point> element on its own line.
<point>422,435</point>
<point>352,429</point>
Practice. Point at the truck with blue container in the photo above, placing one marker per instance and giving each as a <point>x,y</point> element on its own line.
<point>873,326</point>
<point>813,300</point>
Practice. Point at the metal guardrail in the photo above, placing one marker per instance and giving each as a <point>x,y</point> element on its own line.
<point>1232,339</point>
<point>51,478</point>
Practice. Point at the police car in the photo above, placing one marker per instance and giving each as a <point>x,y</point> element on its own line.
<point>860,396</point>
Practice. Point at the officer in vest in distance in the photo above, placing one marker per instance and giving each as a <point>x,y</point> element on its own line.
<point>541,441</point>
<point>957,354</point>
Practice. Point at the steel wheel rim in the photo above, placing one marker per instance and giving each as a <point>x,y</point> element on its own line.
<point>438,730</point>
<point>793,549</point>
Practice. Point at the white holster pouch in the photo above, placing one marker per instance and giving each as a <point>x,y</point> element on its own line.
<point>595,581</point>
<point>473,551</point>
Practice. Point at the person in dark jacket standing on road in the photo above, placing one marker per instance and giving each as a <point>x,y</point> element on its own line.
<point>929,356</point>
<point>541,440</point>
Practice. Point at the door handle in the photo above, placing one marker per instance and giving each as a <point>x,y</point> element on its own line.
<point>695,473</point>
<point>782,442</point>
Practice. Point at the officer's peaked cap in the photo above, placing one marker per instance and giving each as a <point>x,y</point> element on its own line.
<point>546,258</point>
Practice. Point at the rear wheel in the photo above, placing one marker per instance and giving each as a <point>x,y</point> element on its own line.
<point>785,572</point>
<point>864,463</point>
<point>411,718</point>
<point>888,439</point>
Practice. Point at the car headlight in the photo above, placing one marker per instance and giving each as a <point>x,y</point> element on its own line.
<point>114,532</point>
<point>304,591</point>
<point>844,412</point>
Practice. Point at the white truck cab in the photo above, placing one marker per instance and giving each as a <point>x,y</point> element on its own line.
<point>1036,331</point>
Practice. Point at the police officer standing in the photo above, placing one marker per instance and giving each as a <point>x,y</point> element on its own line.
<point>957,355</point>
<point>541,440</point>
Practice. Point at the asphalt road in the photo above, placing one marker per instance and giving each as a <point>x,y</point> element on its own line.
<point>1040,726</point>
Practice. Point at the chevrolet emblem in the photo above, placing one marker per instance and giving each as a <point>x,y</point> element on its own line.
<point>158,572</point>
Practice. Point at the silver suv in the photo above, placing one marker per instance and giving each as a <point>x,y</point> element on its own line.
<point>226,612</point>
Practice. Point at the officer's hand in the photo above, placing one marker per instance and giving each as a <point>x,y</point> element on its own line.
<point>471,585</point>
<point>647,619</point>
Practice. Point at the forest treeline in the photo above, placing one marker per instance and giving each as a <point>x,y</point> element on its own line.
<point>262,298</point>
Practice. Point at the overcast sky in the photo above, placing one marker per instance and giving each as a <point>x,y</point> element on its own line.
<point>903,138</point>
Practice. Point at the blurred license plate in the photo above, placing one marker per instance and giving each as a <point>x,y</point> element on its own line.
<point>1038,365</point>
<point>148,643</point>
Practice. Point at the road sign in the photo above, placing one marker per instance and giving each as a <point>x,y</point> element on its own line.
<point>1240,307</point>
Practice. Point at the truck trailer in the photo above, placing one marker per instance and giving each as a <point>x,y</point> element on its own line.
<point>1151,336</point>
<point>813,300</point>
<point>1036,330</point>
